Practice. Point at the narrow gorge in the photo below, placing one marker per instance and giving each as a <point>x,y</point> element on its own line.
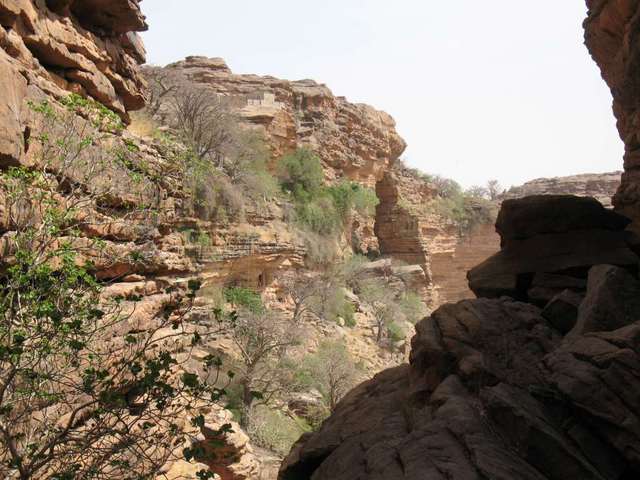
<point>270,291</point>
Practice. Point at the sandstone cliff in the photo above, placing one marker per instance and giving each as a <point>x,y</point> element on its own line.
<point>354,141</point>
<point>601,186</point>
<point>610,31</point>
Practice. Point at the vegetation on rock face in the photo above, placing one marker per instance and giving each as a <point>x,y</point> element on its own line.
<point>320,208</point>
<point>226,166</point>
<point>75,400</point>
<point>466,209</point>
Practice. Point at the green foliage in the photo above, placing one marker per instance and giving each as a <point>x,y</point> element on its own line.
<point>351,196</point>
<point>101,117</point>
<point>321,209</point>
<point>59,362</point>
<point>275,431</point>
<point>245,298</point>
<point>396,332</point>
<point>319,215</point>
<point>301,174</point>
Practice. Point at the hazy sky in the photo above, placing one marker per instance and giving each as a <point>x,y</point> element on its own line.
<point>480,89</point>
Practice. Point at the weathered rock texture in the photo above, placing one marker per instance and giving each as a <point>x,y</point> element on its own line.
<point>48,50</point>
<point>611,31</point>
<point>601,186</point>
<point>552,234</point>
<point>354,141</point>
<point>85,47</point>
<point>449,267</point>
<point>494,391</point>
<point>409,229</point>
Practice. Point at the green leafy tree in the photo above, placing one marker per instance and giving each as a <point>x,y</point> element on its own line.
<point>301,174</point>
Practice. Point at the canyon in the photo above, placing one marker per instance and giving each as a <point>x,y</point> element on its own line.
<point>534,379</point>
<point>531,379</point>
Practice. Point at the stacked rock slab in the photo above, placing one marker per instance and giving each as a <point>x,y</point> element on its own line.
<point>495,390</point>
<point>548,243</point>
<point>57,47</point>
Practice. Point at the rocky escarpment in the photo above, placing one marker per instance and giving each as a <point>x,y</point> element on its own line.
<point>407,229</point>
<point>504,389</point>
<point>611,29</point>
<point>601,186</point>
<point>450,266</point>
<point>85,47</point>
<point>122,193</point>
<point>354,141</point>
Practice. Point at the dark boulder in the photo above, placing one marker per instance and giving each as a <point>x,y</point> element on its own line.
<point>559,235</point>
<point>562,310</point>
<point>612,301</point>
<point>541,214</point>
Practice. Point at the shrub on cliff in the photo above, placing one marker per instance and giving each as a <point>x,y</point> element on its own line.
<point>464,208</point>
<point>301,174</point>
<point>83,394</point>
<point>320,208</point>
<point>241,297</point>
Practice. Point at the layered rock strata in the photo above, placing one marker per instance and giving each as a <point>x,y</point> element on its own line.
<point>407,228</point>
<point>601,186</point>
<point>57,47</point>
<point>354,141</point>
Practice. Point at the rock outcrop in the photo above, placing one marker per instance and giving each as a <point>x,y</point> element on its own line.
<point>57,47</point>
<point>601,186</point>
<point>450,266</point>
<point>495,390</point>
<point>354,141</point>
<point>404,227</point>
<point>611,30</point>
<point>557,235</point>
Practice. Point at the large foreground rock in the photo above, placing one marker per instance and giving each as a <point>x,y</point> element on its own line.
<point>492,392</point>
<point>558,235</point>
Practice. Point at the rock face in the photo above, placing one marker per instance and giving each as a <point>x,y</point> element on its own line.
<point>493,389</point>
<point>405,232</point>
<point>354,141</point>
<point>558,235</point>
<point>601,186</point>
<point>450,266</point>
<point>63,46</point>
<point>611,29</point>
